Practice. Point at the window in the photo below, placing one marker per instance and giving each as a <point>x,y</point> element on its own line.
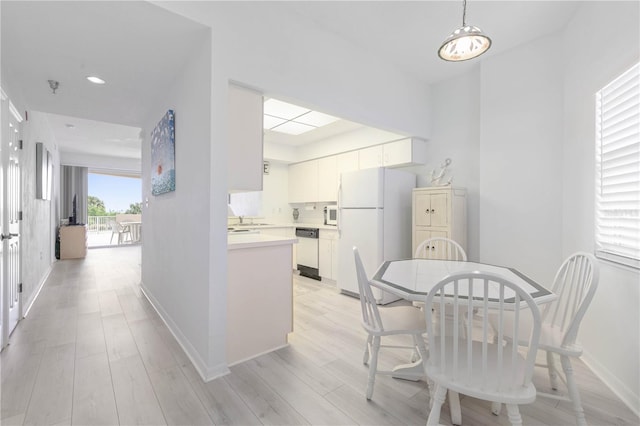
<point>618,169</point>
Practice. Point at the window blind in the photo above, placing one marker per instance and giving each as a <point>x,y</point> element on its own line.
<point>618,169</point>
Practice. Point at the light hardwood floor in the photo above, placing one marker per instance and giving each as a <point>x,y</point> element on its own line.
<point>93,351</point>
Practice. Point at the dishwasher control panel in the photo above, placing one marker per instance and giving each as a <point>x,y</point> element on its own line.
<point>307,232</point>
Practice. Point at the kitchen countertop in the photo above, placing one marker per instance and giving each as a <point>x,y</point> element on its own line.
<point>242,241</point>
<point>283,225</point>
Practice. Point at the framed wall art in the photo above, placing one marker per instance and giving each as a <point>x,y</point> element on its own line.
<point>163,149</point>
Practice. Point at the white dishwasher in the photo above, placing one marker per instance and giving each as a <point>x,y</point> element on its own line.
<point>307,252</point>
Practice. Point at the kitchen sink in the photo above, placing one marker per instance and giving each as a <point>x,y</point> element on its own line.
<point>243,231</point>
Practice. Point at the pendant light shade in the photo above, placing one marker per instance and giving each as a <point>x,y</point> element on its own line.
<point>467,42</point>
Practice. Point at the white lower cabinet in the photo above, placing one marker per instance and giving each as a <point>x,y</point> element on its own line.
<point>285,231</point>
<point>328,254</point>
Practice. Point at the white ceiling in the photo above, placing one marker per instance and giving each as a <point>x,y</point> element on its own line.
<point>128,44</point>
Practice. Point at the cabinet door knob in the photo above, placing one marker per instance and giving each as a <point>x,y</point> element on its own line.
<point>427,211</point>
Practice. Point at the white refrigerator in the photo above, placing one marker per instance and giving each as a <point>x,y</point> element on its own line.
<point>375,216</point>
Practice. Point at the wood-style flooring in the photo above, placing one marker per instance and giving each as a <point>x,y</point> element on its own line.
<point>92,351</point>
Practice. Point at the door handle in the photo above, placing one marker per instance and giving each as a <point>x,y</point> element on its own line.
<point>6,236</point>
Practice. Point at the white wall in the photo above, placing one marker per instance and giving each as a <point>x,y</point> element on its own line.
<point>456,135</point>
<point>275,194</point>
<point>521,158</point>
<point>38,223</point>
<point>601,42</point>
<point>101,162</point>
<point>283,55</point>
<point>175,244</point>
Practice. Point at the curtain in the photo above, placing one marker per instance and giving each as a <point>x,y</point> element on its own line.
<point>74,181</point>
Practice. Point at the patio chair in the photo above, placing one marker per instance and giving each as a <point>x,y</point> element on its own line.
<point>121,231</point>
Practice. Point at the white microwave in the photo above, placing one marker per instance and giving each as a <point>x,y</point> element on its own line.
<point>331,215</point>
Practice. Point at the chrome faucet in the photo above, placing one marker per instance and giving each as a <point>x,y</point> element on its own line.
<point>240,218</point>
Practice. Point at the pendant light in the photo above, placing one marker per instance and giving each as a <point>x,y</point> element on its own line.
<point>465,43</point>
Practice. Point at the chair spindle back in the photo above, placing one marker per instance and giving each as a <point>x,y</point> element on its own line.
<point>458,358</point>
<point>371,320</point>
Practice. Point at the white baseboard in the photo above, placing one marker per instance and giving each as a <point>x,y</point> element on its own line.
<point>268,351</point>
<point>36,293</point>
<point>206,372</point>
<point>621,390</point>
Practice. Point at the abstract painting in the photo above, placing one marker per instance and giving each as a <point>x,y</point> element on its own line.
<point>163,150</point>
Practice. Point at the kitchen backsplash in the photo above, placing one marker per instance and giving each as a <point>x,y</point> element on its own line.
<point>309,212</point>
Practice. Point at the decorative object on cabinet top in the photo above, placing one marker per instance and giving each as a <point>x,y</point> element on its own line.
<point>438,176</point>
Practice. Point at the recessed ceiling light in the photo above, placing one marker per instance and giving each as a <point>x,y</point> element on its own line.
<point>96,80</point>
<point>315,118</point>
<point>281,109</point>
<point>293,128</point>
<point>269,121</point>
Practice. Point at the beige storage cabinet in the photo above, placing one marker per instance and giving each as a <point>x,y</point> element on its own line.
<point>73,242</point>
<point>439,212</point>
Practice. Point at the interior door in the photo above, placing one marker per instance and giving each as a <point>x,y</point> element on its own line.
<point>10,201</point>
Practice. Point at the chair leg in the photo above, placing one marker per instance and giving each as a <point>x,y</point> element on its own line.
<point>454,408</point>
<point>553,370</point>
<point>438,400</point>
<point>365,358</point>
<point>514,415</point>
<point>111,240</point>
<point>573,390</point>
<point>373,365</point>
<point>496,407</point>
<point>419,349</point>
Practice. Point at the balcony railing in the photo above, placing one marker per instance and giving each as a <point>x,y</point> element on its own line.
<point>100,223</point>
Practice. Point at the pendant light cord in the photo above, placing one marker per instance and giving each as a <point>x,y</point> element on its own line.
<point>464,13</point>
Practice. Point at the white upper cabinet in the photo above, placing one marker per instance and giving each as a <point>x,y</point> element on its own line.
<point>404,152</point>
<point>327,178</point>
<point>371,157</point>
<point>245,139</point>
<point>347,162</point>
<point>317,180</point>
<point>303,182</point>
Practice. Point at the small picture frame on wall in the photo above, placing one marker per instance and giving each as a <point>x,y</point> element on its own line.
<point>44,172</point>
<point>163,173</point>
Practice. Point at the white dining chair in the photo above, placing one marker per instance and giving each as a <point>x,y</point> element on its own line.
<point>440,248</point>
<point>575,284</point>
<point>481,368</point>
<point>383,322</point>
